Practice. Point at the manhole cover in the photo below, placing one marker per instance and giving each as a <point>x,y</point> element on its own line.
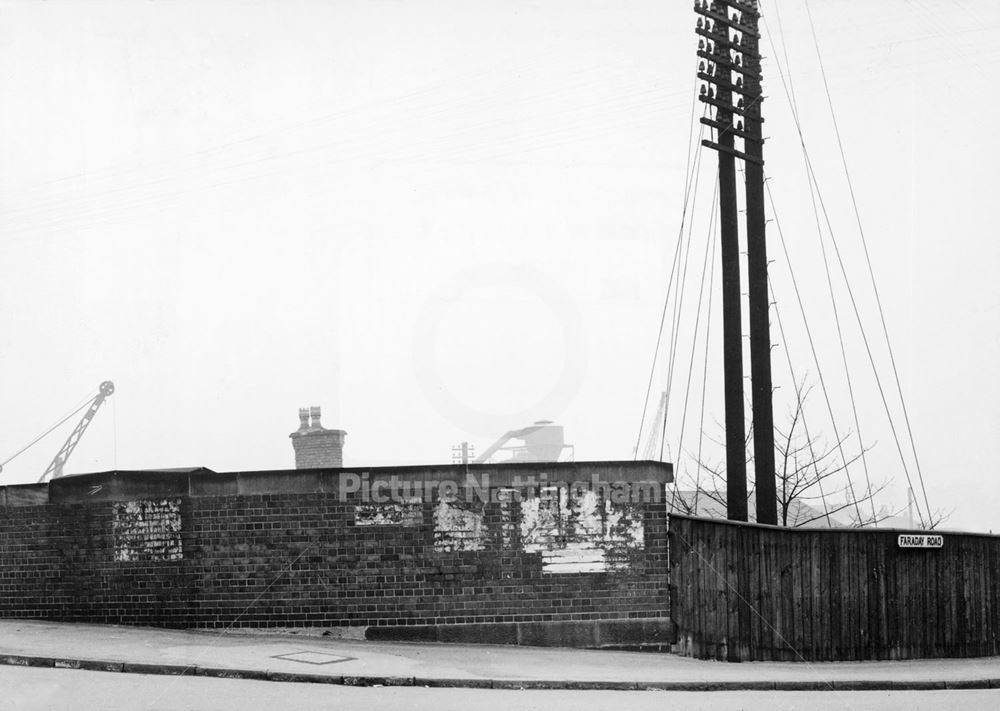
<point>310,657</point>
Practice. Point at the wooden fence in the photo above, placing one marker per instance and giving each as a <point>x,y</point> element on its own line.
<point>743,592</point>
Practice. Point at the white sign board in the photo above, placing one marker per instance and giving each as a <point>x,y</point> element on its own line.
<point>921,540</point>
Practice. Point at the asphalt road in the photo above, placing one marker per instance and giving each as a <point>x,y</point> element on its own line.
<point>52,689</point>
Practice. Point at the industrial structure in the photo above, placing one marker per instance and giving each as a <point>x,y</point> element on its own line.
<point>543,441</point>
<point>55,468</point>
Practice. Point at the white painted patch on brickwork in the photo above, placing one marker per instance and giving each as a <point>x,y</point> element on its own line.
<point>147,530</point>
<point>508,524</point>
<point>623,524</point>
<point>409,513</point>
<point>542,519</point>
<point>458,526</point>
<point>575,533</point>
<point>578,557</point>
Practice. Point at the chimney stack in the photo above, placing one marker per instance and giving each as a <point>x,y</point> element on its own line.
<point>315,446</point>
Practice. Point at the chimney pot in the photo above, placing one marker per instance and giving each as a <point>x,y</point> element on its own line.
<point>315,446</point>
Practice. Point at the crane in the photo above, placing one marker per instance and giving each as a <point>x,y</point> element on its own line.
<point>650,451</point>
<point>55,468</point>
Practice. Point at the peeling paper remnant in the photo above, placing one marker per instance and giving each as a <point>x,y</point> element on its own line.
<point>409,513</point>
<point>574,533</point>
<point>458,526</point>
<point>147,530</point>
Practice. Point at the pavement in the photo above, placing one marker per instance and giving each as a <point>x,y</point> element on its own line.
<point>309,658</point>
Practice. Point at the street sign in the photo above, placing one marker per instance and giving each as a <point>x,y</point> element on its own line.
<point>908,540</point>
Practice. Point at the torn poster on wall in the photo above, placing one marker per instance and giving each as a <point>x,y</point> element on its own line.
<point>147,530</point>
<point>580,532</point>
<point>458,526</point>
<point>406,513</point>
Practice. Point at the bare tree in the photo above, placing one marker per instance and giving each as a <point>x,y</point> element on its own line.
<point>709,483</point>
<point>809,472</point>
<point>811,476</point>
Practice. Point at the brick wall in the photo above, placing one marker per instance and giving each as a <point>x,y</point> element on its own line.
<point>313,549</point>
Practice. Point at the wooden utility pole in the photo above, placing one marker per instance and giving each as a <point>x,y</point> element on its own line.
<point>729,46</point>
<point>714,47</point>
<point>760,323</point>
<point>462,453</point>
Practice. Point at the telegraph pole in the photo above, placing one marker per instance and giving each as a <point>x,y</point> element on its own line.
<point>462,453</point>
<point>760,323</point>
<point>716,70</point>
<point>731,71</point>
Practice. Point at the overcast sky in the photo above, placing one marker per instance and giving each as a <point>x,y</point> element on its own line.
<point>442,220</point>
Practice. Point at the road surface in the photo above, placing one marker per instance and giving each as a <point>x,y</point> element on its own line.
<point>53,689</point>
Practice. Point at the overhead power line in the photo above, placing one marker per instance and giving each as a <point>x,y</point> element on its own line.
<point>818,195</point>
<point>688,180</point>
<point>868,262</point>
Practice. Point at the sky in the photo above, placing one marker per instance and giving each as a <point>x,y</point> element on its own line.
<point>444,220</point>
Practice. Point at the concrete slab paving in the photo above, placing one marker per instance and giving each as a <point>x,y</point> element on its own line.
<point>288,657</point>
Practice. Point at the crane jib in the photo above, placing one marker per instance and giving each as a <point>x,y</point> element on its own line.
<point>55,468</point>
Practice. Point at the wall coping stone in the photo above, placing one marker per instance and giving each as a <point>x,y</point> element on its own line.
<point>128,485</point>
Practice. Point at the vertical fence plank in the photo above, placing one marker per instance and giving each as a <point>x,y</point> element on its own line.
<point>821,603</point>
<point>909,604</point>
<point>981,586</point>
<point>746,596</point>
<point>938,635</point>
<point>771,608</point>
<point>866,584</point>
<point>795,591</point>
<point>778,611</point>
<point>849,610</point>
<point>843,546</point>
<point>756,586</point>
<point>707,594</point>
<point>990,592</point>
<point>791,623</point>
<point>892,593</point>
<point>880,631</point>
<point>805,598</point>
